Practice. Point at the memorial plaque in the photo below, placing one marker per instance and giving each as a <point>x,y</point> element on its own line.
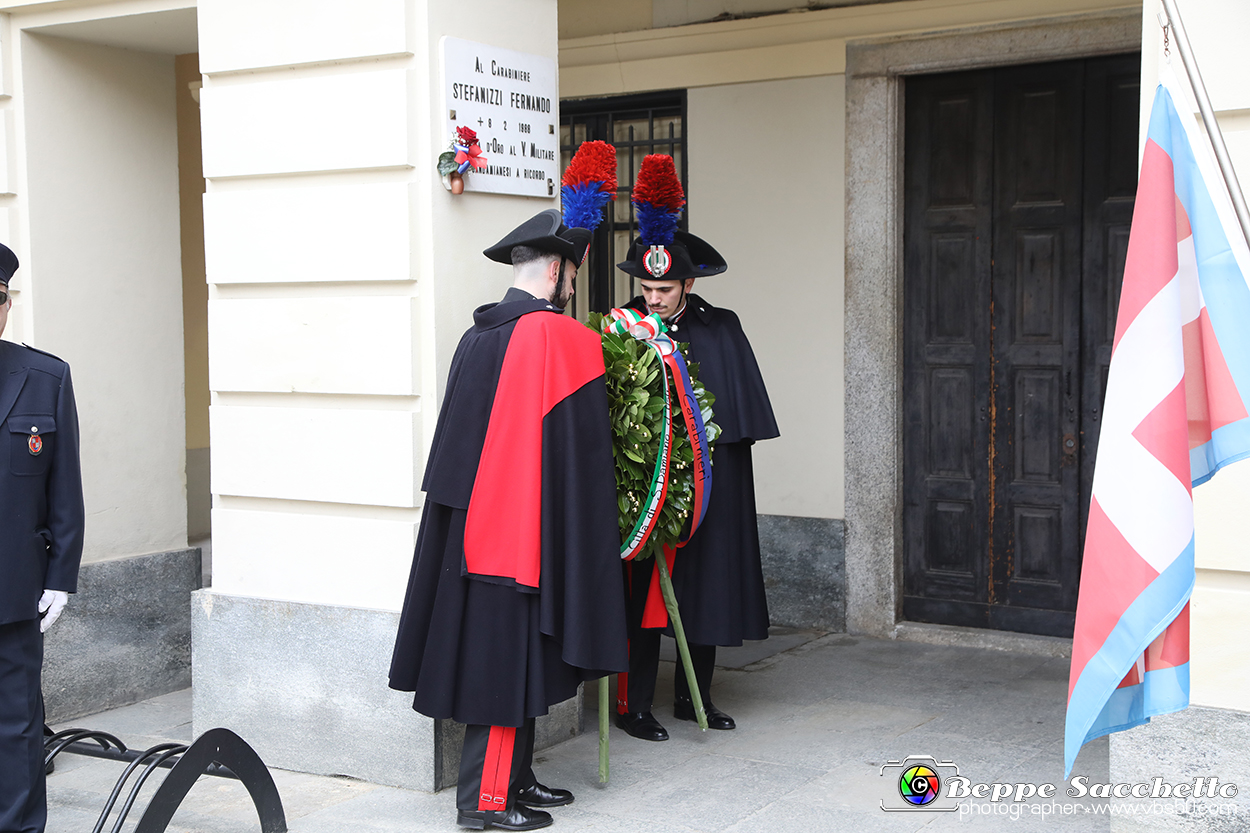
<point>511,100</point>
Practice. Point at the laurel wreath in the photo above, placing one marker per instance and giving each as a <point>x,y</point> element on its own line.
<point>636,405</point>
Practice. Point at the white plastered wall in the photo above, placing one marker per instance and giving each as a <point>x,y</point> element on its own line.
<point>1219,652</point>
<point>341,275</point>
<point>779,225</point>
<point>94,169</point>
<point>307,252</point>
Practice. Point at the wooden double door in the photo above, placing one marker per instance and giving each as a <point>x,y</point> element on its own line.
<point>1019,195</point>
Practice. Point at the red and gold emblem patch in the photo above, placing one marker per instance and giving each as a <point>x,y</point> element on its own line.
<point>657,261</point>
<point>35,444</point>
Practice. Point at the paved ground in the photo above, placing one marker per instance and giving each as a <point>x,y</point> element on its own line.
<point>818,716</point>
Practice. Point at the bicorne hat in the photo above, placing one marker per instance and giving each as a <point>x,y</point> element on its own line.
<point>687,256</point>
<point>661,252</point>
<point>8,264</point>
<point>546,232</point>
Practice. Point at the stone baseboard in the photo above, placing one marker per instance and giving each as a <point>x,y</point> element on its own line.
<point>306,686</point>
<point>982,638</point>
<point>804,571</point>
<point>125,635</point>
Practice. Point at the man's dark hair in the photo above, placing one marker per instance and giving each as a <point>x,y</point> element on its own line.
<point>522,255</point>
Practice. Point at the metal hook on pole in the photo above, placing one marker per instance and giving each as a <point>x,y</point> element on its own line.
<point>1173,21</point>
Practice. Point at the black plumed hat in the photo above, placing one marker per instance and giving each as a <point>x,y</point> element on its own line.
<point>687,256</point>
<point>545,232</point>
<point>8,264</point>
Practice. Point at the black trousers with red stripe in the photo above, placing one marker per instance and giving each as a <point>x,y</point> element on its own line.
<point>495,763</point>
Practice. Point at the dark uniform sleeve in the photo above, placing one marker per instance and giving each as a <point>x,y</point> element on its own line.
<point>66,515</point>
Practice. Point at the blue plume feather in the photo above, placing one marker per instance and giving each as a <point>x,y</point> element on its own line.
<point>583,204</point>
<point>656,224</point>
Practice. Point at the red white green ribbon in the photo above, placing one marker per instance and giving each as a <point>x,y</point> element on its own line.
<point>649,330</point>
<point>632,322</point>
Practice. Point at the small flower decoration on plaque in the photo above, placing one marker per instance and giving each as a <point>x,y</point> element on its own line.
<point>464,156</point>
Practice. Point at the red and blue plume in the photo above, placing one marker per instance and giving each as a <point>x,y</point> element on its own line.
<point>658,198</point>
<point>589,182</point>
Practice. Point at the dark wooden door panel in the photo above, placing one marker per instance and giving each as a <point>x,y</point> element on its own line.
<point>946,368</point>
<point>952,310</point>
<point>1036,281</point>
<point>1036,422</point>
<point>952,420</point>
<point>1019,188</point>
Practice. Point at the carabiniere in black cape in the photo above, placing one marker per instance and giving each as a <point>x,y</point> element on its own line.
<point>717,576</point>
<point>484,650</point>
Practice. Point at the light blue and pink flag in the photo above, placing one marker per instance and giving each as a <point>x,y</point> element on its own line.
<point>1175,413</point>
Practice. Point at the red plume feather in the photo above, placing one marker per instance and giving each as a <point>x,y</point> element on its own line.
<point>594,162</point>
<point>658,183</point>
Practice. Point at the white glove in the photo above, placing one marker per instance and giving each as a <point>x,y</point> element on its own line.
<point>51,603</point>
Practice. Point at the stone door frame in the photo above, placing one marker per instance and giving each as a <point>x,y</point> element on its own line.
<point>875,70</point>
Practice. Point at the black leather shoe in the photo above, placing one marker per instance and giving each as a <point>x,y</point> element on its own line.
<point>516,818</point>
<point>683,709</point>
<point>539,795</point>
<point>641,725</point>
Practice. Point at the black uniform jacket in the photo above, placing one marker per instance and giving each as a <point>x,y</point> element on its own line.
<point>41,506</point>
<point>515,594</point>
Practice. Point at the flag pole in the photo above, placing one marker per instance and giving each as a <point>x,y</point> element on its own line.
<point>1208,118</point>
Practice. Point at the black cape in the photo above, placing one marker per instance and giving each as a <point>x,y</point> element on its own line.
<point>727,368</point>
<point>717,576</point>
<point>482,643</point>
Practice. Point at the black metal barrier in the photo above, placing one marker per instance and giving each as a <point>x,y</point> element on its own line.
<point>218,752</point>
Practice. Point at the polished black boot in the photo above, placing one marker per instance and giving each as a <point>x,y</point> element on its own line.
<point>641,725</point>
<point>683,709</point>
<point>516,817</point>
<point>539,795</point>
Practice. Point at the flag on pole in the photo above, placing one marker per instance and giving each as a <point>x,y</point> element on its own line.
<point>1174,413</point>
